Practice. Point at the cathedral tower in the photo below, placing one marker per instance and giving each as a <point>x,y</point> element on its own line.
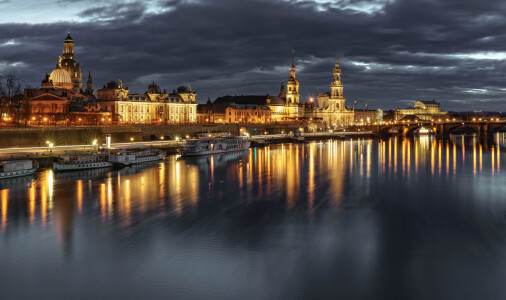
<point>292,93</point>
<point>68,64</point>
<point>336,87</point>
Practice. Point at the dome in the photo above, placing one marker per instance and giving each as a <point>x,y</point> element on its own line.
<point>61,78</point>
<point>153,89</point>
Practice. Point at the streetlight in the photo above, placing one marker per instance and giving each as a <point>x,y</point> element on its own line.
<point>50,148</point>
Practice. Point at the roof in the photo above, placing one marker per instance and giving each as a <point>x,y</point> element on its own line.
<point>429,102</point>
<point>410,118</point>
<point>249,99</point>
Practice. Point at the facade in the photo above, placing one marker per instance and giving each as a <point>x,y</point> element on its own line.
<point>153,107</point>
<point>331,108</point>
<point>50,105</point>
<point>368,117</point>
<point>233,114</point>
<point>424,110</point>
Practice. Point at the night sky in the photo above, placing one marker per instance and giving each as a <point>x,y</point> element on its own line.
<point>391,52</point>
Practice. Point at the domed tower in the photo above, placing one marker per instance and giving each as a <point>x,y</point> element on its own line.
<point>68,64</point>
<point>61,79</point>
<point>292,93</point>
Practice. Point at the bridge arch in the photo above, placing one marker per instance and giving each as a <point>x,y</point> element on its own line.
<point>461,129</point>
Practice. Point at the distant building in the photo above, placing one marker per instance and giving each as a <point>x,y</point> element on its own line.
<point>331,107</point>
<point>368,117</point>
<point>423,110</point>
<point>153,107</point>
<point>233,114</point>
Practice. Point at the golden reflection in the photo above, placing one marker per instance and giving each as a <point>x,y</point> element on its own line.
<point>369,145</point>
<point>403,156</point>
<point>498,160</point>
<point>481,158</point>
<point>463,151</point>
<point>80,196</point>
<point>417,146</point>
<point>454,159</point>
<point>474,159</point>
<point>439,157</point>
<point>310,184</point>
<point>395,155</point>
<point>389,155</point>
<point>43,201</point>
<point>103,200</point>
<point>408,159</point>
<point>32,203</point>
<point>447,157</point>
<point>432,157</point>
<point>4,195</point>
<point>493,160</point>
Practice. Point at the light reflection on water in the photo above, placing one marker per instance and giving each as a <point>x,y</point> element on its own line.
<point>285,221</point>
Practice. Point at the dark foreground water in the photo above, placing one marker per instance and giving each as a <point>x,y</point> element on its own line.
<point>327,220</point>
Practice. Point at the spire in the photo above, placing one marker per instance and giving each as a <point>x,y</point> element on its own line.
<point>89,76</point>
<point>292,72</point>
<point>282,92</point>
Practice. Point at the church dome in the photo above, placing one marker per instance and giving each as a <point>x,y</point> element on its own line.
<point>153,89</point>
<point>61,78</point>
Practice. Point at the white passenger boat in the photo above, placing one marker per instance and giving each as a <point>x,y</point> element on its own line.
<point>17,168</point>
<point>125,158</point>
<point>81,162</point>
<point>425,131</point>
<point>206,146</point>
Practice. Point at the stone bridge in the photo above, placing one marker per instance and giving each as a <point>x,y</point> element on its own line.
<point>485,129</point>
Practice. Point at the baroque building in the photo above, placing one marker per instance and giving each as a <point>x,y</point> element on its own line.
<point>331,107</point>
<point>233,114</point>
<point>153,107</point>
<point>423,110</point>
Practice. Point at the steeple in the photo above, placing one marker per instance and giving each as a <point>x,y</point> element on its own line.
<point>89,85</point>
<point>282,92</point>
<point>292,92</point>
<point>336,87</point>
<point>68,47</point>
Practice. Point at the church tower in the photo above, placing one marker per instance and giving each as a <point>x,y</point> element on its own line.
<point>292,93</point>
<point>336,87</point>
<point>68,64</point>
<point>282,92</point>
<point>89,85</point>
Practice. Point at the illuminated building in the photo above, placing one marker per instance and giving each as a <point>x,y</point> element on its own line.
<point>153,107</point>
<point>331,108</point>
<point>423,110</point>
<point>68,74</point>
<point>233,114</point>
<point>368,117</point>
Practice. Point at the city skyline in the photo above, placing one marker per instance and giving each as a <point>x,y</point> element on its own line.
<point>391,52</point>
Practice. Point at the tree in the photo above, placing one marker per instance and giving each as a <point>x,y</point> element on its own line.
<point>11,98</point>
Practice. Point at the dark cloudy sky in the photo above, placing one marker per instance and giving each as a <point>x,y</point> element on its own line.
<point>392,52</point>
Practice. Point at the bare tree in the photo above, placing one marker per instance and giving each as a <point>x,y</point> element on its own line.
<point>11,98</point>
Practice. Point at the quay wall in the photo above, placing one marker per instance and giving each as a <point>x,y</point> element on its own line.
<point>37,136</point>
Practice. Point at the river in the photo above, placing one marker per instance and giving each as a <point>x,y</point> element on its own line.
<point>354,219</point>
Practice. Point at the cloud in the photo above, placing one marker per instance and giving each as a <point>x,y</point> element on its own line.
<point>395,51</point>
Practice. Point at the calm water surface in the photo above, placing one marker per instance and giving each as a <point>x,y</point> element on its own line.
<point>360,219</point>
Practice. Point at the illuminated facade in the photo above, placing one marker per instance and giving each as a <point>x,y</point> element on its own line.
<point>153,107</point>
<point>331,108</point>
<point>233,114</point>
<point>423,110</point>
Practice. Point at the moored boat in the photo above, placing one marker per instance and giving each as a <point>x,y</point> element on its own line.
<point>125,158</point>
<point>17,168</point>
<point>207,146</point>
<point>81,162</point>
